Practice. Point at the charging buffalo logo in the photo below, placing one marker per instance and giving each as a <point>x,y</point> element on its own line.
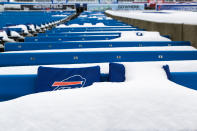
<point>75,81</point>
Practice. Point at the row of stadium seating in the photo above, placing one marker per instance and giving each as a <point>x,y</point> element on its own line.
<point>77,42</point>
<point>14,26</point>
<point>37,18</point>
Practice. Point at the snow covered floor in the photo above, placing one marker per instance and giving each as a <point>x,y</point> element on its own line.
<point>139,104</point>
<point>181,17</point>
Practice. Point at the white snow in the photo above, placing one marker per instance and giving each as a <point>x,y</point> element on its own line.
<point>163,48</point>
<point>37,27</point>
<point>132,36</point>
<point>42,26</point>
<point>5,37</point>
<point>87,25</point>
<point>59,15</point>
<point>31,26</point>
<point>147,36</point>
<point>145,71</point>
<point>108,18</point>
<point>23,27</point>
<point>138,104</point>
<point>82,16</point>
<point>15,34</point>
<point>180,17</point>
<point>33,69</point>
<point>175,66</point>
<point>147,101</point>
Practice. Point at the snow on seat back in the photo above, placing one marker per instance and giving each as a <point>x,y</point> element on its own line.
<point>144,72</point>
<point>4,36</point>
<point>87,25</point>
<point>99,24</point>
<point>23,27</point>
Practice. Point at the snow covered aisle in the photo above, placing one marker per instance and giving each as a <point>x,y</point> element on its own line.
<point>179,17</point>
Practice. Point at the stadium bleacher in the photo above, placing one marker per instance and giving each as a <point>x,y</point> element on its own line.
<point>94,44</point>
<point>14,25</point>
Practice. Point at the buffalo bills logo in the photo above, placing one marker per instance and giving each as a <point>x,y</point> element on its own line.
<point>75,81</point>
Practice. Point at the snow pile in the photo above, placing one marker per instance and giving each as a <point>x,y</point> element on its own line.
<point>138,104</point>
<point>180,17</point>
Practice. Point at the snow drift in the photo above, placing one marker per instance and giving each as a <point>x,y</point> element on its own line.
<point>155,103</point>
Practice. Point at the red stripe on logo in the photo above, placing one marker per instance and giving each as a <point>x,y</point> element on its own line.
<point>67,83</point>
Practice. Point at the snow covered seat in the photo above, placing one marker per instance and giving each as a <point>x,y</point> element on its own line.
<point>88,44</point>
<point>36,17</point>
<point>97,55</point>
<point>70,38</point>
<point>52,79</point>
<point>20,27</point>
<point>18,30</point>
<point>89,25</point>
<point>24,78</point>
<point>105,106</point>
<point>94,22</point>
<point>124,36</point>
<point>150,98</point>
<point>43,20</point>
<point>106,22</point>
<point>58,30</point>
<point>135,34</point>
<point>14,33</point>
<point>66,34</point>
<point>5,37</point>
<point>151,71</point>
<point>141,36</point>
